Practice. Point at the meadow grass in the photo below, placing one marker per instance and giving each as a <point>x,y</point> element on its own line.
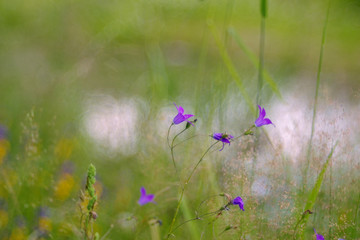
<point>94,82</point>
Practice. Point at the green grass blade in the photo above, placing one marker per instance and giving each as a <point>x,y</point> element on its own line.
<point>316,189</point>
<point>230,66</point>
<point>308,155</point>
<point>254,60</point>
<point>263,8</point>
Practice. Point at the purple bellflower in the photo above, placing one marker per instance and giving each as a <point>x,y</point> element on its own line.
<point>180,117</point>
<point>145,198</point>
<point>225,138</point>
<point>318,236</point>
<point>261,120</point>
<point>238,201</point>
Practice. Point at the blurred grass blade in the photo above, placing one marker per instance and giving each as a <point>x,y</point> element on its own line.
<point>308,155</point>
<point>316,189</point>
<point>263,8</point>
<point>255,62</point>
<point>154,229</point>
<point>192,226</point>
<point>230,66</point>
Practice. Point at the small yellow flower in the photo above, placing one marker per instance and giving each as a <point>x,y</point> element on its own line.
<point>4,148</point>
<point>4,218</point>
<point>45,224</point>
<point>64,186</point>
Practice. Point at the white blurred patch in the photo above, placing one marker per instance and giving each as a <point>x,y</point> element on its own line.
<point>336,119</point>
<point>112,124</point>
<point>261,187</point>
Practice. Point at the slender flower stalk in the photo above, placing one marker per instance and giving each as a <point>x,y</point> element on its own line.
<point>236,201</point>
<point>172,147</point>
<point>168,134</point>
<point>184,188</point>
<point>189,178</point>
<point>179,118</point>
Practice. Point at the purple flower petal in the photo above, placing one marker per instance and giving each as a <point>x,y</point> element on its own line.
<point>262,112</point>
<point>144,199</point>
<point>260,121</point>
<point>222,147</point>
<point>179,118</point>
<point>319,236</point>
<point>238,201</point>
<point>217,136</point>
<point>176,107</point>
<point>180,110</point>
<point>225,140</point>
<point>186,116</point>
<point>143,191</point>
<point>267,121</point>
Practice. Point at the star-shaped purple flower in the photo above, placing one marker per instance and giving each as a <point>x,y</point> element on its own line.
<point>261,120</point>
<point>238,201</point>
<point>145,198</point>
<point>180,117</point>
<point>223,137</point>
<point>318,236</point>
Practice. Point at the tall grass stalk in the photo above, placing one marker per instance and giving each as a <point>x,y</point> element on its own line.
<point>313,195</point>
<point>255,61</point>
<point>230,66</point>
<point>263,10</point>
<point>308,155</point>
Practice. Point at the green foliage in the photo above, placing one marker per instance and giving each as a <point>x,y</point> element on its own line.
<point>315,192</point>
<point>263,8</point>
<point>254,60</point>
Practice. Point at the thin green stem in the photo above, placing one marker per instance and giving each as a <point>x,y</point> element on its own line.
<point>261,62</point>
<point>184,187</point>
<point>168,134</point>
<point>308,155</point>
<point>172,147</point>
<point>202,157</point>
<point>198,218</point>
<point>185,140</point>
<point>247,132</point>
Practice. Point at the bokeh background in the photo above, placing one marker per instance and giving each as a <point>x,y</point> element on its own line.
<point>94,82</point>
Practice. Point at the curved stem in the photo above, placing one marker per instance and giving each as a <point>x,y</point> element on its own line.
<point>197,218</point>
<point>172,147</point>
<point>184,187</point>
<point>185,140</point>
<point>168,134</point>
<point>245,133</point>
<point>200,160</point>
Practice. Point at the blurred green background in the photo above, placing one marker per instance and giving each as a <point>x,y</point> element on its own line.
<point>94,82</point>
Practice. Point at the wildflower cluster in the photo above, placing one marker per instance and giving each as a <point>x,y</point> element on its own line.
<point>220,137</point>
